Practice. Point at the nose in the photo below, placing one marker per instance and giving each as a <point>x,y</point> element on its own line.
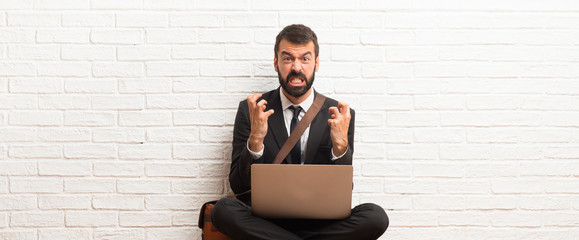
<point>297,66</point>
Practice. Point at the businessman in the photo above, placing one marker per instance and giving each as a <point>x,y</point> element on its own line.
<point>263,124</point>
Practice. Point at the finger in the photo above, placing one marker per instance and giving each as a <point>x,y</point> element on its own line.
<point>253,98</point>
<point>261,104</point>
<point>333,110</point>
<point>344,108</point>
<point>269,113</point>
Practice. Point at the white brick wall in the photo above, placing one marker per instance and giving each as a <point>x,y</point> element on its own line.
<point>116,117</point>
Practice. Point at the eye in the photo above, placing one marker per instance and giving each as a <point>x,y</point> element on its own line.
<point>287,59</point>
<point>306,59</point>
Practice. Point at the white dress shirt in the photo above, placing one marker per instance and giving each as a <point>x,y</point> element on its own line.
<point>287,116</point>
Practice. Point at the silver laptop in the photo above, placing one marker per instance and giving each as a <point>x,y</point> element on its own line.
<point>301,191</point>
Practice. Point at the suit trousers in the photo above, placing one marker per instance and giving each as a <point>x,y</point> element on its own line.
<point>235,219</point>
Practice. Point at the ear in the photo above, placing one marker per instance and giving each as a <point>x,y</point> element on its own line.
<point>317,63</point>
<point>275,64</point>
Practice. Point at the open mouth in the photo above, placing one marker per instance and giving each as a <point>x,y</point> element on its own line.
<point>296,82</point>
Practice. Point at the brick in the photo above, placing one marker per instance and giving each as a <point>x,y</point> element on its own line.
<point>519,152</point>
<point>563,219</point>
<point>229,69</point>
<point>216,134</point>
<point>61,4</point>
<point>27,52</point>
<point>143,186</point>
<point>118,102</point>
<point>142,19</point>
<point>514,219</point>
<point>189,20</point>
<point>172,135</point>
<point>172,69</point>
<point>174,101</point>
<point>561,186</point>
<point>17,36</point>
<point>88,185</point>
<point>251,20</point>
<point>229,101</point>
<point>368,102</point>
<point>398,202</point>
<point>18,234</point>
<point>16,4</point>
<point>145,219</point>
<point>64,202</point>
<point>211,118</point>
<point>46,234</point>
<point>91,218</point>
<point>470,151</point>
<point>198,151</point>
<point>118,234</point>
<point>171,36</point>
<point>438,202</point>
<point>439,135</point>
<point>342,36</point>
<point>464,187</point>
<point>414,152</point>
<point>492,169</point>
<point>14,202</point>
<point>492,202</point>
<point>417,219</point>
<point>37,219</point>
<point>124,70</point>
<point>370,151</point>
<point>464,219</point>
<point>224,36</point>
<point>90,86</point>
<point>143,53</point>
<point>413,119</point>
<point>182,218</point>
<point>119,135</point>
<point>144,151</point>
<point>118,202</point>
<point>68,168</point>
<point>224,5</point>
<point>545,203</point>
<point>118,169</point>
<point>172,169</point>
<point>18,168</point>
<point>438,170</point>
<point>62,36</point>
<point>17,69</point>
<point>196,85</point>
<point>318,21</point>
<point>35,151</point>
<point>63,69</point>
<point>114,5</point>
<point>17,135</point>
<point>172,202</point>
<point>88,18</point>
<point>439,102</point>
<point>197,186</point>
<point>89,118</point>
<point>387,70</point>
<point>117,36</point>
<point>546,168</point>
<point>63,102</point>
<point>463,118</point>
<point>35,185</point>
<point>211,52</point>
<point>561,119</point>
<point>145,118</point>
<point>88,53</point>
<point>518,186</point>
<point>358,20</point>
<point>388,37</point>
<point>167,5</point>
<point>34,19</point>
<point>214,170</point>
<point>90,151</point>
<point>145,86</point>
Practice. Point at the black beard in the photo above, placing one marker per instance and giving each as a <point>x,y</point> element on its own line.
<point>296,91</point>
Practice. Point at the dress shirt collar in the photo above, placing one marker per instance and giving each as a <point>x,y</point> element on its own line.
<point>286,103</point>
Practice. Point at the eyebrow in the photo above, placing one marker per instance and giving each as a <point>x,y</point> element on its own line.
<point>287,53</point>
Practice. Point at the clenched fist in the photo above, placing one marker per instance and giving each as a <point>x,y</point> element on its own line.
<point>339,123</point>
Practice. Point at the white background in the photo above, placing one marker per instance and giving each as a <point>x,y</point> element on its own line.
<point>116,117</point>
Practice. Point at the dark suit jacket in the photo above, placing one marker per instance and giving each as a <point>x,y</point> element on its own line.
<point>318,149</point>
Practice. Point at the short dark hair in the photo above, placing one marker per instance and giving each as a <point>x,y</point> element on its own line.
<point>296,34</point>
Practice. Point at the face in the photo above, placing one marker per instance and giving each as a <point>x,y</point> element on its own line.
<point>296,66</point>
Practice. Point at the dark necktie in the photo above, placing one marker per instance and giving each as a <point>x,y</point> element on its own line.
<point>296,152</point>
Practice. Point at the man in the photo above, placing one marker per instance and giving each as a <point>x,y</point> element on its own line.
<point>262,126</point>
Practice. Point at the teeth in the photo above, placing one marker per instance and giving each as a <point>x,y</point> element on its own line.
<point>295,80</point>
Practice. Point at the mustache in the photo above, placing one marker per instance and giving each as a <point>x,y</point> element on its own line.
<point>293,74</point>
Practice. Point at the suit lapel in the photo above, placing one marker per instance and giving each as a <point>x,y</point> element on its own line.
<point>276,121</point>
<point>317,128</point>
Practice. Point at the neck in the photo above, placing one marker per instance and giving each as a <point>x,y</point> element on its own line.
<point>297,100</point>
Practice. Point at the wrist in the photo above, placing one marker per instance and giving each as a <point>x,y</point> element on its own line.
<point>340,149</point>
<point>255,143</point>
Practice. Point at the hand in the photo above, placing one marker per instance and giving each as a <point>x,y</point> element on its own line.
<point>339,123</point>
<point>258,119</point>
